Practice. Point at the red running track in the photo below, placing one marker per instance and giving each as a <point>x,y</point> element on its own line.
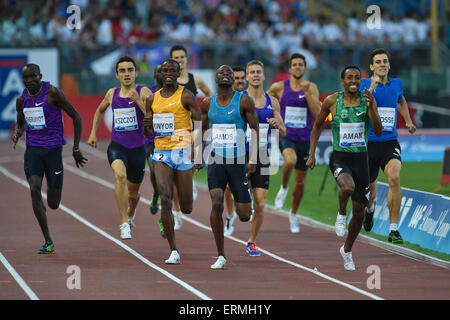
<point>85,230</point>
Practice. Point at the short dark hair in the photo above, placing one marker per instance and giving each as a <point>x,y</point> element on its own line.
<point>378,51</point>
<point>297,56</point>
<point>34,67</point>
<point>238,68</point>
<point>347,68</point>
<point>176,48</point>
<point>125,59</point>
<point>174,62</point>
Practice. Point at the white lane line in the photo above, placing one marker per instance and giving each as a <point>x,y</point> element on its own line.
<point>146,201</point>
<point>106,235</point>
<point>18,278</point>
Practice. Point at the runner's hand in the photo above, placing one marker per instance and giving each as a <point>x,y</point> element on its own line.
<point>92,141</point>
<point>79,159</point>
<point>251,168</point>
<point>411,127</point>
<point>311,162</point>
<point>15,138</point>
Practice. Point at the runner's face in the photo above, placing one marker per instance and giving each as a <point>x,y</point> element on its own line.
<point>239,81</point>
<point>380,65</point>
<point>126,73</point>
<point>180,57</point>
<point>351,81</point>
<point>297,68</point>
<point>169,73</point>
<point>255,75</point>
<point>31,79</point>
<point>225,76</point>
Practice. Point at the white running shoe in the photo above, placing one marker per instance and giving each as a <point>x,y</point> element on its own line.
<point>125,231</point>
<point>281,197</point>
<point>174,258</point>
<point>294,223</point>
<point>178,218</point>
<point>229,228</point>
<point>339,226</point>
<point>194,190</point>
<point>220,263</point>
<point>348,259</point>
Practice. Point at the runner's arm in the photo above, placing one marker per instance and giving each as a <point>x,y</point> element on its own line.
<point>276,90</point>
<point>276,122</point>
<point>373,113</point>
<point>402,107</point>
<point>148,119</point>
<point>20,124</point>
<point>57,98</point>
<point>98,116</point>
<point>200,83</point>
<point>325,110</point>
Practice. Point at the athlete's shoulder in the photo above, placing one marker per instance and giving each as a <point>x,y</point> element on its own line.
<point>365,83</point>
<point>396,81</point>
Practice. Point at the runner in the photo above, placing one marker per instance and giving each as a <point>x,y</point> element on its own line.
<point>239,85</point>
<point>169,116</point>
<point>352,113</point>
<point>268,110</point>
<point>39,113</point>
<point>227,113</point>
<point>299,102</point>
<point>126,152</point>
<point>385,151</point>
<point>191,82</point>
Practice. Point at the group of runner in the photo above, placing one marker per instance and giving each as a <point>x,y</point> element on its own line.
<point>231,133</point>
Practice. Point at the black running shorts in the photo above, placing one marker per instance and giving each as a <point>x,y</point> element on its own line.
<point>356,165</point>
<point>380,153</point>
<point>39,161</point>
<point>301,149</point>
<point>133,159</point>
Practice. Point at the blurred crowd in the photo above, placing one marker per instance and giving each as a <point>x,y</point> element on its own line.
<point>271,26</point>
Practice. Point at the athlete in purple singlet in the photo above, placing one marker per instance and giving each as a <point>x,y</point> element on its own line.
<point>299,102</point>
<point>39,111</point>
<point>126,152</point>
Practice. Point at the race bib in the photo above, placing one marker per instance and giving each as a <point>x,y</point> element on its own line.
<point>263,135</point>
<point>35,118</point>
<point>224,135</point>
<point>387,116</point>
<point>295,117</point>
<point>125,119</point>
<point>163,124</point>
<point>352,135</point>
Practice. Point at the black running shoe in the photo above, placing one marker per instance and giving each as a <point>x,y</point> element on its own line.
<point>368,219</point>
<point>154,205</point>
<point>395,237</point>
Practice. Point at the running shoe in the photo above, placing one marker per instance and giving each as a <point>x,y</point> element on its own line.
<point>348,259</point>
<point>395,237</point>
<point>293,222</point>
<point>281,197</point>
<point>48,247</point>
<point>125,231</point>
<point>229,228</point>
<point>174,258</point>
<point>178,219</point>
<point>339,226</point>
<point>220,263</point>
<point>154,205</point>
<point>161,229</point>
<point>368,219</point>
<point>252,250</point>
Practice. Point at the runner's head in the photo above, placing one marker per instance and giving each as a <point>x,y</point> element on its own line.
<point>179,54</point>
<point>351,79</point>
<point>297,65</point>
<point>225,76</point>
<point>255,73</point>
<point>126,71</point>
<point>31,76</point>
<point>157,75</point>
<point>239,83</point>
<point>170,71</point>
<point>379,62</point>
